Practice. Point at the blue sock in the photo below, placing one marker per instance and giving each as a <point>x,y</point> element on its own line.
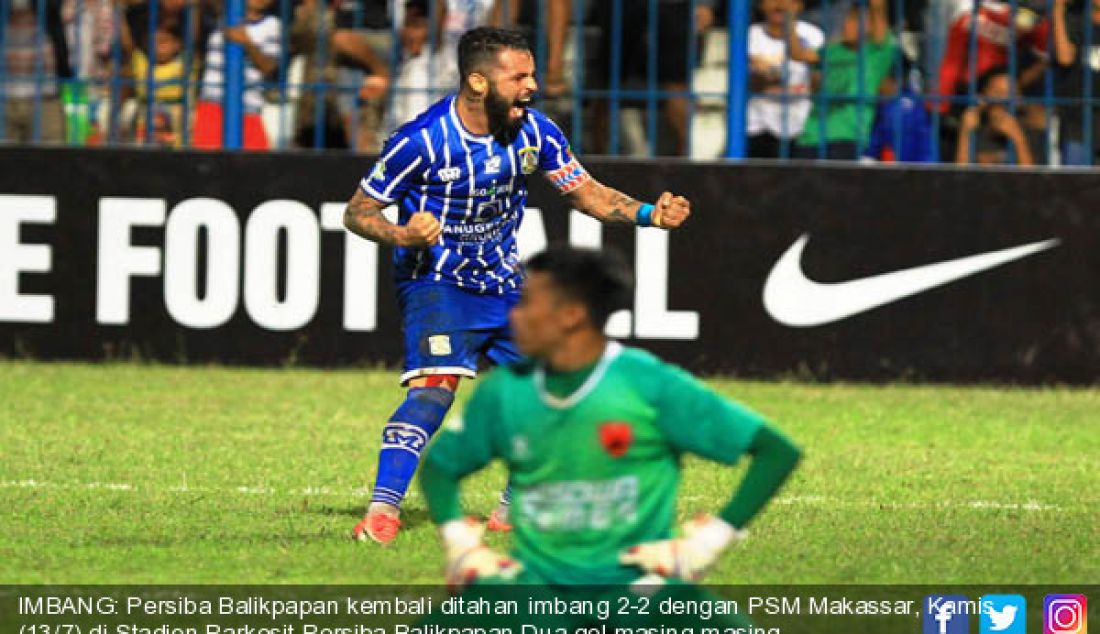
<point>404,437</point>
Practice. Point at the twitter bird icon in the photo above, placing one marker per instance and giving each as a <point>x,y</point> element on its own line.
<point>1003,614</point>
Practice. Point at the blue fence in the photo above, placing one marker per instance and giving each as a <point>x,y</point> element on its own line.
<point>961,81</point>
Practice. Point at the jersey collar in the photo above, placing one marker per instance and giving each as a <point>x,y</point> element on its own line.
<point>609,354</point>
<point>457,121</point>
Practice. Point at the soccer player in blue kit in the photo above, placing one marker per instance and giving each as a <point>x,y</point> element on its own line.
<point>458,176</point>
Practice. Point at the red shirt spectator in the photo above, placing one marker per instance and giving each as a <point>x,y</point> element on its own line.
<point>994,34</point>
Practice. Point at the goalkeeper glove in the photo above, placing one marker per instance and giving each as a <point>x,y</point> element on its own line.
<point>468,559</point>
<point>687,557</point>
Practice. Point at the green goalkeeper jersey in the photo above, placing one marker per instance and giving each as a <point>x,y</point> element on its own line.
<point>596,471</point>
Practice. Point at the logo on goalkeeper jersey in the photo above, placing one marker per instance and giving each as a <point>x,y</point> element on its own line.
<point>575,505</point>
<point>616,438</point>
<point>521,449</point>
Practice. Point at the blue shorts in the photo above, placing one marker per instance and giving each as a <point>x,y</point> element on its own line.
<point>447,329</point>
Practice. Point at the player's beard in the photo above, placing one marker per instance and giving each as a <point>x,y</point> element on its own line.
<point>497,109</point>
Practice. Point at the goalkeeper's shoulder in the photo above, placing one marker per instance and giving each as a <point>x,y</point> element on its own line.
<point>653,374</point>
<point>641,362</point>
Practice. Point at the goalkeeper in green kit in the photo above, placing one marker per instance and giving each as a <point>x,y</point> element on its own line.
<point>593,433</point>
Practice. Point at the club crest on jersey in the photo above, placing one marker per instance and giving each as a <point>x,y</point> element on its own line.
<point>449,174</point>
<point>492,166</point>
<point>529,159</point>
<point>616,438</point>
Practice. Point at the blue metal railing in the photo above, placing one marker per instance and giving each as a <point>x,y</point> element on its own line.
<point>841,97</point>
<point>234,78</point>
<point>738,20</point>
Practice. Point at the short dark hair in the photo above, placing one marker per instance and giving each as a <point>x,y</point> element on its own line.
<point>986,78</point>
<point>479,47</point>
<point>600,280</point>
<point>416,8</point>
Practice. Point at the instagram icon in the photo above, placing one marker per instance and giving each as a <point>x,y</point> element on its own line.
<point>1065,614</point>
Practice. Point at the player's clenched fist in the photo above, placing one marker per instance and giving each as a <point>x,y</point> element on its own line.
<point>422,230</point>
<point>468,559</point>
<point>671,211</point>
<point>687,557</point>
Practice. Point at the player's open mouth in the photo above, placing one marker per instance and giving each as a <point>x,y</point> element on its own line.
<point>519,107</point>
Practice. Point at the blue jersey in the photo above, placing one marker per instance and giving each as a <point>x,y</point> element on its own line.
<point>475,186</point>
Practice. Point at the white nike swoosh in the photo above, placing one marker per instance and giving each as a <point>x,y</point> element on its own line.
<point>794,300</point>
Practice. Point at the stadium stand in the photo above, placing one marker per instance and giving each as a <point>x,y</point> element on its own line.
<point>625,77</point>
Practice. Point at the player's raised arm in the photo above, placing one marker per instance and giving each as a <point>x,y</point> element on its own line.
<point>607,204</point>
<point>592,197</point>
<point>364,218</point>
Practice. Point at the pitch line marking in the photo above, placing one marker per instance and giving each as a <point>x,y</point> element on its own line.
<point>789,500</point>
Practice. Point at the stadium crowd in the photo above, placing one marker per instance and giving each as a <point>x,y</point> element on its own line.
<point>883,80</point>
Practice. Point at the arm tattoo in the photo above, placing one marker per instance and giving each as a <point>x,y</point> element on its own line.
<point>604,203</point>
<point>619,198</point>
<point>615,215</point>
<point>364,218</point>
<point>623,207</point>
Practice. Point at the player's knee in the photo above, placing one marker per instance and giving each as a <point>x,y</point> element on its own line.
<point>424,407</point>
<point>445,381</point>
<point>434,398</point>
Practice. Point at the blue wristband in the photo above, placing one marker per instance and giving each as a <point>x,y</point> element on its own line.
<point>644,217</point>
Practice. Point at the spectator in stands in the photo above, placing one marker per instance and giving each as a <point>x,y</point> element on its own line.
<point>457,17</point>
<point>992,125</point>
<point>846,117</point>
<point>781,86</point>
<point>34,66</point>
<point>171,79</point>
<point>317,104</point>
<point>903,127</point>
<point>1073,62</point>
<point>429,70</point>
<point>362,73</point>
<point>413,86</point>
<point>993,35</point>
<point>994,46</point>
<point>677,30</point>
<point>554,23</point>
<point>188,18</point>
<point>260,35</point>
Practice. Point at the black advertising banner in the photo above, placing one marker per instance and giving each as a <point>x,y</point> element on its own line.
<point>784,270</point>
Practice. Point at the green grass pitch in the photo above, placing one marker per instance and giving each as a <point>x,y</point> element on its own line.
<point>135,473</point>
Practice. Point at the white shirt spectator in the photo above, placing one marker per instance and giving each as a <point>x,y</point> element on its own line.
<point>266,33</point>
<point>412,90</point>
<point>771,113</point>
<point>28,58</point>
